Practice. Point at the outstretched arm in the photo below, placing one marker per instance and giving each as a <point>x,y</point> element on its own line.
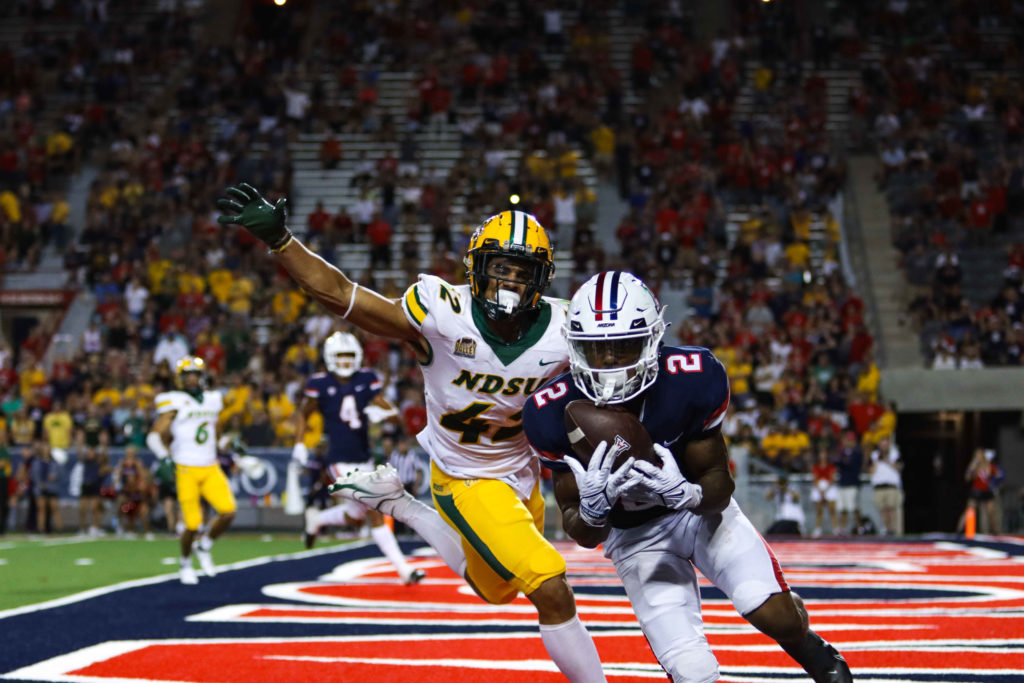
<point>363,307</point>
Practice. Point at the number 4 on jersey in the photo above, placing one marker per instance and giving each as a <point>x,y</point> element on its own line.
<point>349,412</point>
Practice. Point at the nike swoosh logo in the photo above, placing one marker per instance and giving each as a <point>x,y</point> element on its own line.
<point>549,362</point>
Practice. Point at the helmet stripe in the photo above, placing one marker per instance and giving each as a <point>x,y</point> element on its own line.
<point>613,295</point>
<point>518,227</point>
<point>599,302</point>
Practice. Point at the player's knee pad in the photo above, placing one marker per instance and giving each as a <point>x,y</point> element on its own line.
<point>687,663</point>
<point>191,514</point>
<point>498,594</point>
<point>543,563</point>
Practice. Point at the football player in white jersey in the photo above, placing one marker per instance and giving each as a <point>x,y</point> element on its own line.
<point>483,347</point>
<point>186,431</point>
<point>656,524</point>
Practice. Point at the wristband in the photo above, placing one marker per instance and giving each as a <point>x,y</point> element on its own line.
<point>351,301</point>
<point>281,244</point>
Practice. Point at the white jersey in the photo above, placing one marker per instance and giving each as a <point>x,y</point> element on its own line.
<point>476,384</point>
<point>194,427</point>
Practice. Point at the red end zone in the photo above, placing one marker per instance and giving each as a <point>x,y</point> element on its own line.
<point>968,628</point>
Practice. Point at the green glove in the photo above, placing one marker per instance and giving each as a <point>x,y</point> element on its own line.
<point>249,209</point>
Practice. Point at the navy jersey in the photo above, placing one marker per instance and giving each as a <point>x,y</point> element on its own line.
<point>342,402</point>
<point>688,400</point>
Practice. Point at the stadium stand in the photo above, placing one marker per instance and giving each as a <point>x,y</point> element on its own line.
<point>713,164</point>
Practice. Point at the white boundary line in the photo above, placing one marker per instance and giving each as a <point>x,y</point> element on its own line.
<point>163,578</point>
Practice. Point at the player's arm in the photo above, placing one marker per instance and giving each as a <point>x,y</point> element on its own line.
<point>379,409</point>
<point>567,495</point>
<point>362,307</point>
<point>159,437</point>
<point>705,461</point>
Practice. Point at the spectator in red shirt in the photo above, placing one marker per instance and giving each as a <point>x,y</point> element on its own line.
<point>171,321</point>
<point>628,236</point>
<point>824,491</point>
<point>414,413</point>
<point>210,350</point>
<point>318,220</point>
<point>861,343</point>
<point>980,216</point>
<point>330,152</point>
<point>342,229</point>
<point>378,234</point>
<point>862,411</point>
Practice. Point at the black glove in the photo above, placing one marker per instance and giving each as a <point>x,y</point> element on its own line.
<point>249,209</point>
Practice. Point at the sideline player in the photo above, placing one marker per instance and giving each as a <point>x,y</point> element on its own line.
<point>348,396</point>
<point>483,349</point>
<point>186,431</point>
<point>656,525</point>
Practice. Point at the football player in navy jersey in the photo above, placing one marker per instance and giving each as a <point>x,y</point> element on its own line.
<point>349,399</point>
<point>659,523</point>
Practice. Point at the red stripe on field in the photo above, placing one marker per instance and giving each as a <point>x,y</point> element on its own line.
<point>441,615</point>
<point>244,662</point>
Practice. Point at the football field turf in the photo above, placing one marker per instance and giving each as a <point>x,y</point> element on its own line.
<point>911,610</point>
<point>44,568</point>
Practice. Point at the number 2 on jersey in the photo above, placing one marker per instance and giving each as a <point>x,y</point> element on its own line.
<point>689,362</point>
<point>471,426</point>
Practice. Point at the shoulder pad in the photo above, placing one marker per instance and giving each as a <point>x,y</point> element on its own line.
<point>419,297</point>
<point>166,402</point>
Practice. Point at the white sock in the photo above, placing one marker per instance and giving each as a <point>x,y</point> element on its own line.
<point>385,540</point>
<point>185,561</point>
<point>426,521</point>
<point>572,650</point>
<point>332,516</point>
<point>205,543</point>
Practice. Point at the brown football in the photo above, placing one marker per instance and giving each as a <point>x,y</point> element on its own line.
<point>588,425</point>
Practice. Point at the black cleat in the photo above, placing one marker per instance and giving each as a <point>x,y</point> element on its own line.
<point>415,576</point>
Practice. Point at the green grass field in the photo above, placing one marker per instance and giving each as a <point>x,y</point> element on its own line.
<point>37,570</point>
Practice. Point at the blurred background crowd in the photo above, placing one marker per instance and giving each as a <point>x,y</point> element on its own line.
<point>704,162</point>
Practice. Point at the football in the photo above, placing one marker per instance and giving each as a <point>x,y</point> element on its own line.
<point>588,425</point>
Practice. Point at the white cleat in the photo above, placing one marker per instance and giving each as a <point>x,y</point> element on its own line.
<point>206,562</point>
<point>188,575</point>
<point>379,489</point>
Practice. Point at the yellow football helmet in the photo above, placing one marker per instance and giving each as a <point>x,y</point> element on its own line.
<point>187,365</point>
<point>513,234</point>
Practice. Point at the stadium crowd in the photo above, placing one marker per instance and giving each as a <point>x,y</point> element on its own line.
<point>765,291</point>
<point>945,114</point>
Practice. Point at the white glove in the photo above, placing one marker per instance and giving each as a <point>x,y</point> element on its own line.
<point>599,487</point>
<point>665,485</point>
<point>252,466</point>
<point>157,445</point>
<point>300,453</point>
